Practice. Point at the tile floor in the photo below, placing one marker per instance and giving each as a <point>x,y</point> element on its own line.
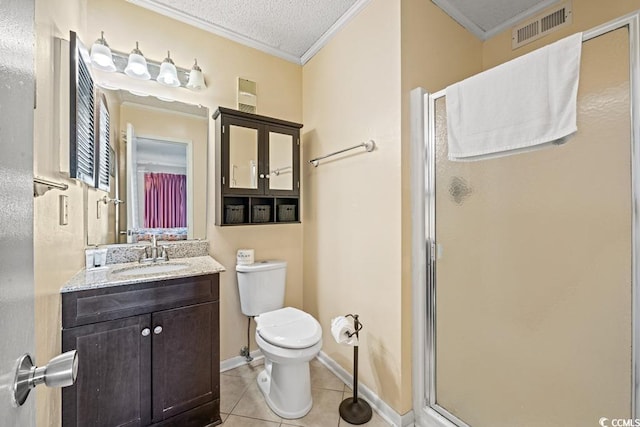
<point>242,403</point>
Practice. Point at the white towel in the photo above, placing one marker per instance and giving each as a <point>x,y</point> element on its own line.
<point>516,106</point>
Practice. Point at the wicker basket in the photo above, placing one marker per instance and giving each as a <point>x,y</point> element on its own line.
<point>286,213</point>
<point>234,214</point>
<point>261,213</point>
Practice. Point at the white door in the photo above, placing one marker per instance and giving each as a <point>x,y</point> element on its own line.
<point>16,201</point>
<point>132,182</point>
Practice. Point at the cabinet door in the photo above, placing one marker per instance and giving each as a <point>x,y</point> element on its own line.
<point>282,155</point>
<point>242,158</point>
<point>186,360</point>
<point>114,374</point>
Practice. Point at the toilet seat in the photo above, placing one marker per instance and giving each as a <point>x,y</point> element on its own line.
<point>289,328</point>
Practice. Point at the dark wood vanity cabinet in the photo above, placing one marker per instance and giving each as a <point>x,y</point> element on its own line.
<point>258,169</point>
<point>148,354</point>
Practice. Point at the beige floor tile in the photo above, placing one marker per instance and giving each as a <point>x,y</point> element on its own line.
<point>236,421</point>
<point>322,377</point>
<point>223,416</point>
<point>231,390</point>
<point>376,420</point>
<point>252,404</point>
<point>324,412</point>
<point>250,370</point>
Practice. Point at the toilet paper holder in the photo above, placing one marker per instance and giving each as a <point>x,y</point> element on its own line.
<point>354,410</point>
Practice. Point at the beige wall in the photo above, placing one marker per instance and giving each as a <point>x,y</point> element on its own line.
<point>357,238</point>
<point>57,249</point>
<point>351,216</point>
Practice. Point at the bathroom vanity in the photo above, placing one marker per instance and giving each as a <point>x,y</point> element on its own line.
<point>148,345</point>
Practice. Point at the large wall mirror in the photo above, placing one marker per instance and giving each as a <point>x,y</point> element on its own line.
<point>160,172</point>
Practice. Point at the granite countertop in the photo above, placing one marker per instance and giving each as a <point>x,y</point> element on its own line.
<point>108,276</point>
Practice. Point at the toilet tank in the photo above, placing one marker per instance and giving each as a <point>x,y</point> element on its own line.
<point>261,286</point>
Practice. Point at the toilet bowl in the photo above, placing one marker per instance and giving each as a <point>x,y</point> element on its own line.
<point>288,338</point>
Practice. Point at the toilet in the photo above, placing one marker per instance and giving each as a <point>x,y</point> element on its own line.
<point>288,338</point>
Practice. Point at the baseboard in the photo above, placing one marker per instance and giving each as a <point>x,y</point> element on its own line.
<point>377,404</point>
<point>234,362</point>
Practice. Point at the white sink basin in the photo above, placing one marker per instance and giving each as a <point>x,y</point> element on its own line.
<point>139,270</point>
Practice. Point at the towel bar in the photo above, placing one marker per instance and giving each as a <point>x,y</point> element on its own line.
<point>369,146</point>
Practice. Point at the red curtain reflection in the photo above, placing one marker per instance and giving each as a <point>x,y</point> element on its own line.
<point>165,200</point>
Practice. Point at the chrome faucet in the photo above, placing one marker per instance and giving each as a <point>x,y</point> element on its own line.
<point>154,256</point>
<point>154,247</point>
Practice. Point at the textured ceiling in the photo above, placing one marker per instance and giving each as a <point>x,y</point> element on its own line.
<point>296,29</point>
<point>486,18</point>
<point>286,28</point>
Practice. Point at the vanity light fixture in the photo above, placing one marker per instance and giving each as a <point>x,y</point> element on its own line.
<point>168,74</point>
<point>101,57</point>
<point>196,78</point>
<point>137,65</point>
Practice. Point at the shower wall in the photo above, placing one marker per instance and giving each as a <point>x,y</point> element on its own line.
<point>533,272</point>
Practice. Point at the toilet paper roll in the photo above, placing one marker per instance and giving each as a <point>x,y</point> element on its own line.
<point>341,328</point>
<point>245,256</point>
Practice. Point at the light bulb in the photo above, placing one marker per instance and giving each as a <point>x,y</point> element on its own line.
<point>168,74</point>
<point>101,57</point>
<point>137,65</point>
<point>196,78</point>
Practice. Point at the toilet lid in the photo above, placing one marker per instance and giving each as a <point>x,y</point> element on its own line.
<point>289,328</point>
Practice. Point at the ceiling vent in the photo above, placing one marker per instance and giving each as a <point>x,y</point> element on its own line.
<point>540,26</point>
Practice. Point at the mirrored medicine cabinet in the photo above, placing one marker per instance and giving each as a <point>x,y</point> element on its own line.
<point>258,167</point>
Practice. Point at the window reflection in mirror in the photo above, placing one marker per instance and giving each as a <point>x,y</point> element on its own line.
<point>243,157</point>
<point>161,154</point>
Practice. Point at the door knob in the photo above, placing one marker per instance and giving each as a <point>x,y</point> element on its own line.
<point>61,371</point>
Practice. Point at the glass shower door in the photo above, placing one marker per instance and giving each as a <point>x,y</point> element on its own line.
<point>533,269</point>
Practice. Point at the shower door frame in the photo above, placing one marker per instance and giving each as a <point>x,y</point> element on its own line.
<point>426,411</point>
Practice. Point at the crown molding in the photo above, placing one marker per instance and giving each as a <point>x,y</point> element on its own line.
<point>215,29</point>
<point>333,30</point>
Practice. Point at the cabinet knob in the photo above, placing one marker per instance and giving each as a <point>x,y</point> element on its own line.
<point>261,175</point>
<point>157,330</point>
<point>267,176</point>
<point>146,332</point>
